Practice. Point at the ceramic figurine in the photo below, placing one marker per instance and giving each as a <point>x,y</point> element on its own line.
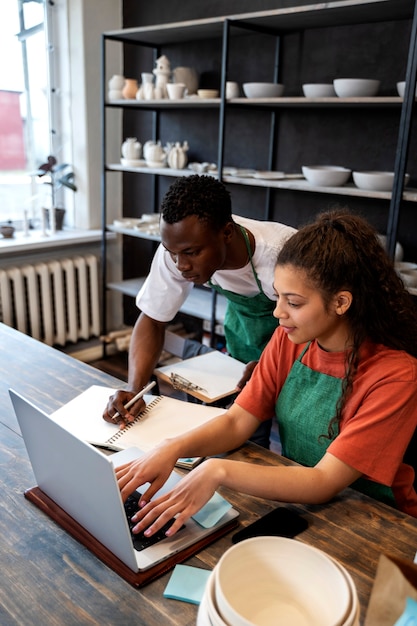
<point>177,155</point>
<point>131,149</point>
<point>154,153</point>
<point>162,72</point>
<point>116,84</point>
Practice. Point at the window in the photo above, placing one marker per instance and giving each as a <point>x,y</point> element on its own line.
<point>27,125</point>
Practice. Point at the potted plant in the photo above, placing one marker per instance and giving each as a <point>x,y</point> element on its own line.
<point>59,176</point>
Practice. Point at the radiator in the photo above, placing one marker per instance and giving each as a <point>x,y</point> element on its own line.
<point>56,302</point>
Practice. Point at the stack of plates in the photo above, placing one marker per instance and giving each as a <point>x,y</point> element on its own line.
<point>267,581</point>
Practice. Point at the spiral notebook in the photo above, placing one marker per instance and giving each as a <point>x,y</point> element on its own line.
<point>163,417</point>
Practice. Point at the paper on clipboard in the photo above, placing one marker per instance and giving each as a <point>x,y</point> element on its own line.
<point>208,377</point>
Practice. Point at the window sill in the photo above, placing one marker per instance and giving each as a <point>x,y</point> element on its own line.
<point>35,240</point>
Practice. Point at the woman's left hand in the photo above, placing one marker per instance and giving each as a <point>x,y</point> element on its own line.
<point>184,500</point>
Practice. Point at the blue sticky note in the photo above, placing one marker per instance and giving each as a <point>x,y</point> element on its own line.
<point>187,584</point>
<point>212,512</point>
<point>409,617</point>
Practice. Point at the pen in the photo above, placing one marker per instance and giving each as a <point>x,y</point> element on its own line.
<point>136,397</point>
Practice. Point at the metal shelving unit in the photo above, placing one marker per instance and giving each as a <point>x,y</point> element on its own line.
<point>275,23</point>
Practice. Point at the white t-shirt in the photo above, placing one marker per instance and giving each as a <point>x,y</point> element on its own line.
<point>165,290</point>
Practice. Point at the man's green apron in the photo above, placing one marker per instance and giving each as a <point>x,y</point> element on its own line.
<point>249,323</point>
<point>304,409</point>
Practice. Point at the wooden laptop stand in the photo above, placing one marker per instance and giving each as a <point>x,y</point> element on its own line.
<point>137,579</point>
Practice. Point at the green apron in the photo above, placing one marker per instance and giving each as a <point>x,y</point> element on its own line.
<point>249,323</point>
<point>304,408</point>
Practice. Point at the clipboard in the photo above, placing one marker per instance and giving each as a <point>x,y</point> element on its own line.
<point>208,377</point>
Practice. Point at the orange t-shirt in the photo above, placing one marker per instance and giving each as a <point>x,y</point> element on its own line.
<point>378,419</point>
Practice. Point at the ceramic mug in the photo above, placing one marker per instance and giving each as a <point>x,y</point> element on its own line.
<point>175,90</point>
<point>232,90</point>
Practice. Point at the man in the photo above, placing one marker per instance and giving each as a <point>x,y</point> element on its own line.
<point>203,244</point>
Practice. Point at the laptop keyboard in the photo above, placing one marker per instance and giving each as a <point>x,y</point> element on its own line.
<point>140,542</point>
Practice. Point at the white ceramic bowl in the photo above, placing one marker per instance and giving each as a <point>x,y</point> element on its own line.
<point>401,89</point>
<point>175,91</point>
<point>399,250</point>
<point>318,90</point>
<point>355,87</point>
<point>263,90</point>
<point>376,181</point>
<point>262,579</point>
<point>405,266</point>
<point>409,278</point>
<point>208,93</point>
<point>326,175</point>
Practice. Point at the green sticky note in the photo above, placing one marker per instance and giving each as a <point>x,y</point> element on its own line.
<point>187,584</point>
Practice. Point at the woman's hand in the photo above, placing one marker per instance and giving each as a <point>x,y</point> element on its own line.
<point>153,467</point>
<point>184,500</point>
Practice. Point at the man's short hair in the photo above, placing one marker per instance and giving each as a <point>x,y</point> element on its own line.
<point>203,196</point>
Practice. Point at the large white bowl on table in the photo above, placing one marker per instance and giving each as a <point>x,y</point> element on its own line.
<point>356,87</point>
<point>376,181</point>
<point>268,580</point>
<point>318,90</point>
<point>263,90</point>
<point>326,175</point>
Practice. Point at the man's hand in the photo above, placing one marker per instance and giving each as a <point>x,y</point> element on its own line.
<point>247,374</point>
<point>116,404</point>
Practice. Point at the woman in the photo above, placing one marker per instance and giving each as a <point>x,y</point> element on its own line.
<point>340,372</point>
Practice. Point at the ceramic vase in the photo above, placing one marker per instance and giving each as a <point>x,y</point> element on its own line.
<point>188,76</point>
<point>146,91</point>
<point>116,84</point>
<point>131,149</point>
<point>130,88</point>
<point>177,156</point>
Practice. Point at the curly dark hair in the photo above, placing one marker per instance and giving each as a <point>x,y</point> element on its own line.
<point>341,251</point>
<point>203,196</point>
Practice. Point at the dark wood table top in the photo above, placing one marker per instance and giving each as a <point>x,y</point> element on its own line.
<point>49,578</point>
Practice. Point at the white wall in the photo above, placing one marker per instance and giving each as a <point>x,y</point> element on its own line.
<point>87,19</point>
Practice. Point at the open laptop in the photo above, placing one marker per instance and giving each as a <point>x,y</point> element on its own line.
<point>81,480</point>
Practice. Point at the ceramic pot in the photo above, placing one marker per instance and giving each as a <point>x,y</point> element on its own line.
<point>154,153</point>
<point>115,94</point>
<point>177,156</point>
<point>131,148</point>
<point>116,82</point>
<point>59,218</point>
<point>188,76</point>
<point>7,231</point>
<point>130,88</point>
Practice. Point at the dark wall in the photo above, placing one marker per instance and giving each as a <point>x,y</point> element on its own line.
<point>355,138</point>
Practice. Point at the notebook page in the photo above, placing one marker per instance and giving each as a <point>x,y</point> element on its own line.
<point>163,417</point>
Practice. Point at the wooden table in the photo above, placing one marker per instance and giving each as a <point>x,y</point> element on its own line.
<point>48,578</point>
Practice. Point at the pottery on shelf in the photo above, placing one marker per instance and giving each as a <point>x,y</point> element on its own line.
<point>177,155</point>
<point>154,154</point>
<point>188,76</point>
<point>146,90</point>
<point>162,73</point>
<point>131,149</point>
<point>130,88</point>
<point>117,82</point>
<point>7,231</point>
